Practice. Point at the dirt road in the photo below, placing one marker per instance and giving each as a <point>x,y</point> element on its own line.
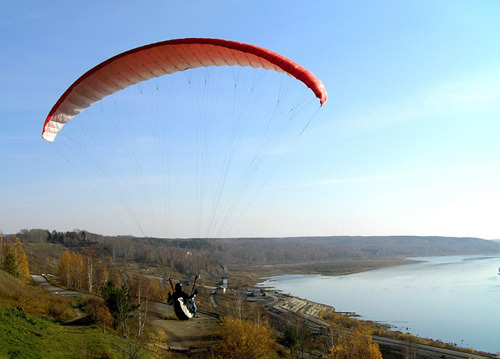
<point>44,282</point>
<point>183,336</point>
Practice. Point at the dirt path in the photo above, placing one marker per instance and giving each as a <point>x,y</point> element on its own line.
<point>44,283</point>
<point>183,336</point>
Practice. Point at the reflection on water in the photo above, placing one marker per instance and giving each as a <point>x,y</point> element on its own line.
<point>453,299</point>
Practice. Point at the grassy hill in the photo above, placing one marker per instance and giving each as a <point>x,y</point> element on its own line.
<point>29,328</point>
<point>34,300</point>
<point>25,336</point>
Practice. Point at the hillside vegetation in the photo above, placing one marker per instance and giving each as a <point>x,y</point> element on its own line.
<point>34,300</point>
<point>295,249</point>
<point>248,259</point>
<point>205,252</point>
<point>29,329</point>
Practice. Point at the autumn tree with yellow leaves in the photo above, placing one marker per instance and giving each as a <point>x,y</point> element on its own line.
<point>15,261</point>
<point>244,339</point>
<point>98,312</point>
<point>354,345</point>
<point>22,261</point>
<point>64,268</point>
<point>83,272</point>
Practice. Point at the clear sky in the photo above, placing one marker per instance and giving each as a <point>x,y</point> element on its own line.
<point>406,144</point>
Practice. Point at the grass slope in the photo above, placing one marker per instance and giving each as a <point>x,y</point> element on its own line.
<point>33,332</point>
<point>25,336</point>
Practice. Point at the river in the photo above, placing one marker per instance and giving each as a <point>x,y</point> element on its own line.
<point>455,299</point>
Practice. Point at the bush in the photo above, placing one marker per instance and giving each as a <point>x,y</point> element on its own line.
<point>355,344</point>
<point>240,339</point>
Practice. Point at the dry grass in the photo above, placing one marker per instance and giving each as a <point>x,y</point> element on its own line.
<point>32,299</point>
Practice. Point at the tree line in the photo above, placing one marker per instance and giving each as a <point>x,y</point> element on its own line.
<point>190,256</point>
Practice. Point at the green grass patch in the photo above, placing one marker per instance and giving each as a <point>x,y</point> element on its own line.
<point>25,336</point>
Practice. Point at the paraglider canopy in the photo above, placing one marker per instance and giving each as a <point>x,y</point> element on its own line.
<point>158,59</point>
<point>181,129</point>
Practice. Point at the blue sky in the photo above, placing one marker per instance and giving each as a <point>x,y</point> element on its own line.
<point>406,144</point>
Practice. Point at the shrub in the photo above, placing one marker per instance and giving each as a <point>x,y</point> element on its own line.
<point>243,339</point>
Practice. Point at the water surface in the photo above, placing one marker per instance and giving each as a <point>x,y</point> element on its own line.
<point>454,299</point>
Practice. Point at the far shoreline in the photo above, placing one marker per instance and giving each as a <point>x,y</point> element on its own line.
<point>255,274</point>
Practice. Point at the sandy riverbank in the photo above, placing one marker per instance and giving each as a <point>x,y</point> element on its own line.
<point>242,275</point>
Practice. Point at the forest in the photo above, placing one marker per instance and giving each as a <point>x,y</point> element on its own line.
<point>226,251</point>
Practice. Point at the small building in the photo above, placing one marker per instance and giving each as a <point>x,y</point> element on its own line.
<point>256,292</point>
<point>223,284</point>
